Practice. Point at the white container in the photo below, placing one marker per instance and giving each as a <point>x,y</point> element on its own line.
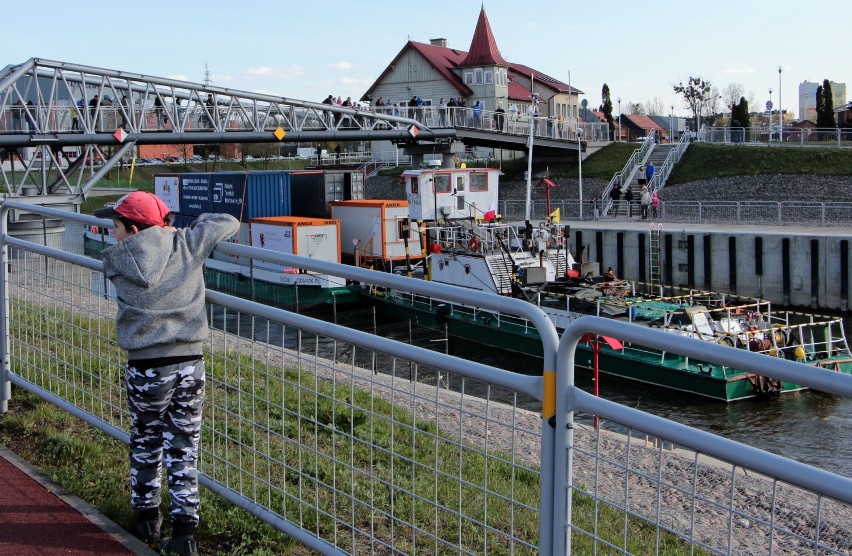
<point>374,228</point>
<point>315,238</point>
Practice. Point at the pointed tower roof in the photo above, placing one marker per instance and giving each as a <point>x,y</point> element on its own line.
<point>483,48</point>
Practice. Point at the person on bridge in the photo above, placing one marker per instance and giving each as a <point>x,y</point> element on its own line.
<point>499,117</point>
<point>442,113</point>
<point>477,115</point>
<point>157,272</point>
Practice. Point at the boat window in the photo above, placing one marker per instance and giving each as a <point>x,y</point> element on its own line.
<point>459,183</point>
<point>442,183</point>
<point>415,186</point>
<point>479,182</point>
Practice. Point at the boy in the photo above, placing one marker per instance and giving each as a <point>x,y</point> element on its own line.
<point>161,322</point>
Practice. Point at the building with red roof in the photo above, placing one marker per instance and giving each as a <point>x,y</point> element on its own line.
<point>435,71</point>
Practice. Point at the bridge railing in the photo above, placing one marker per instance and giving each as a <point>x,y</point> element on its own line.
<point>351,442</point>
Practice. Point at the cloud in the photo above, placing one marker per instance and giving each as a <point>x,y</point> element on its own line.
<point>179,77</point>
<point>278,73</point>
<point>341,65</point>
<point>739,70</point>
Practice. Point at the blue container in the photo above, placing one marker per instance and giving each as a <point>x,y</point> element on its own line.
<point>268,194</point>
<point>228,194</point>
<point>195,194</point>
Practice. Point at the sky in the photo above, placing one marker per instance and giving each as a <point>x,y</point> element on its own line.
<point>307,50</point>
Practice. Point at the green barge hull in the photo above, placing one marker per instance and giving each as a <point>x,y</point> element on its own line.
<point>670,371</point>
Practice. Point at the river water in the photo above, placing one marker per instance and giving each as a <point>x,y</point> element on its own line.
<point>810,427</point>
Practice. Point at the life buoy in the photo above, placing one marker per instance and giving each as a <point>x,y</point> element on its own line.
<point>474,243</point>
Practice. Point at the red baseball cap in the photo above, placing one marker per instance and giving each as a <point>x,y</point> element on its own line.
<point>140,206</point>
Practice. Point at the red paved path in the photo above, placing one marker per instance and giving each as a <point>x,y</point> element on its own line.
<point>34,520</point>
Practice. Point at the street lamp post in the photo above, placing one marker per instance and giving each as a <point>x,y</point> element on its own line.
<point>532,112</point>
<point>671,125</point>
<point>619,118</point>
<point>769,108</point>
<point>780,110</point>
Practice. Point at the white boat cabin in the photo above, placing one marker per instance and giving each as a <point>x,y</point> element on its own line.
<point>464,193</point>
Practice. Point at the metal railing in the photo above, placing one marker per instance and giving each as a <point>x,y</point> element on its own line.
<point>664,171</point>
<point>354,443</point>
<point>773,213</point>
<point>626,174</point>
<point>792,136</point>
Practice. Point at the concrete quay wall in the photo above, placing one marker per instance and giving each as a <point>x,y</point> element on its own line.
<point>792,266</point>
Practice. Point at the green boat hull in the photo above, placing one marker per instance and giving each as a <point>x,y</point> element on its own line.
<point>670,371</point>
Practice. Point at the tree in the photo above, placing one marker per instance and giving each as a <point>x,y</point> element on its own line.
<point>740,119</point>
<point>695,93</point>
<point>824,105</point>
<point>654,107</point>
<point>732,94</point>
<point>635,108</point>
<point>606,108</point>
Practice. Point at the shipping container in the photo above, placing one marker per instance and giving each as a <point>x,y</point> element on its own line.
<point>307,194</point>
<point>195,193</point>
<point>311,191</point>
<point>247,195</point>
<point>374,229</point>
<point>316,238</point>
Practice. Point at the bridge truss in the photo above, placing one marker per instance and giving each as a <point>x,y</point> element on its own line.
<point>118,110</point>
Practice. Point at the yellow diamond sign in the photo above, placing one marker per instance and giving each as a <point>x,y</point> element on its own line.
<point>280,133</point>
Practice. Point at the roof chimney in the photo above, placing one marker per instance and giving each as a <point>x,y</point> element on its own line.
<point>438,42</point>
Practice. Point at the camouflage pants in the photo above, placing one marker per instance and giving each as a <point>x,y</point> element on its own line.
<point>165,426</point>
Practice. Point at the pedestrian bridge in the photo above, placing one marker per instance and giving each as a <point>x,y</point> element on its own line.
<point>47,105</point>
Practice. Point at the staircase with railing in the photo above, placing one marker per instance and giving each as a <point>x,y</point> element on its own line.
<point>626,175</point>
<point>664,170</point>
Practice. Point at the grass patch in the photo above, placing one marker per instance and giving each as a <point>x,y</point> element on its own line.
<point>602,164</point>
<point>702,161</point>
<point>321,453</point>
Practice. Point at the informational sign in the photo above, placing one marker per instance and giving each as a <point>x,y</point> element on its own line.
<point>167,188</point>
<point>769,105</point>
<point>194,194</point>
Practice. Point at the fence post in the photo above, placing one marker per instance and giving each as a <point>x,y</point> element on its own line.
<point>779,214</point>
<point>5,383</point>
<point>838,136</point>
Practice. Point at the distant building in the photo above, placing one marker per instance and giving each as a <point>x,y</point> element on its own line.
<point>807,98</point>
<point>434,71</point>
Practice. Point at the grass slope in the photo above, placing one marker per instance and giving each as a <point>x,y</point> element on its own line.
<point>714,161</point>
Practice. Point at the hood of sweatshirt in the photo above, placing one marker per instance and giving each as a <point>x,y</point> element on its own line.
<point>143,257</point>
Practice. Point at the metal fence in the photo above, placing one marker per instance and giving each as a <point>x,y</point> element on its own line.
<point>775,213</point>
<point>789,137</point>
<point>355,443</point>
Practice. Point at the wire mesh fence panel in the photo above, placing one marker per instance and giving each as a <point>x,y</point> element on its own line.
<point>364,449</point>
<point>368,450</point>
<point>632,490</point>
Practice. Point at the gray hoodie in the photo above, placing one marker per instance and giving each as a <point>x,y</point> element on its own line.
<point>160,287</point>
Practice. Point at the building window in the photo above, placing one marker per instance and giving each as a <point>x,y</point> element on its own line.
<point>478,76</point>
<point>468,78</point>
<point>478,182</point>
<point>488,78</point>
